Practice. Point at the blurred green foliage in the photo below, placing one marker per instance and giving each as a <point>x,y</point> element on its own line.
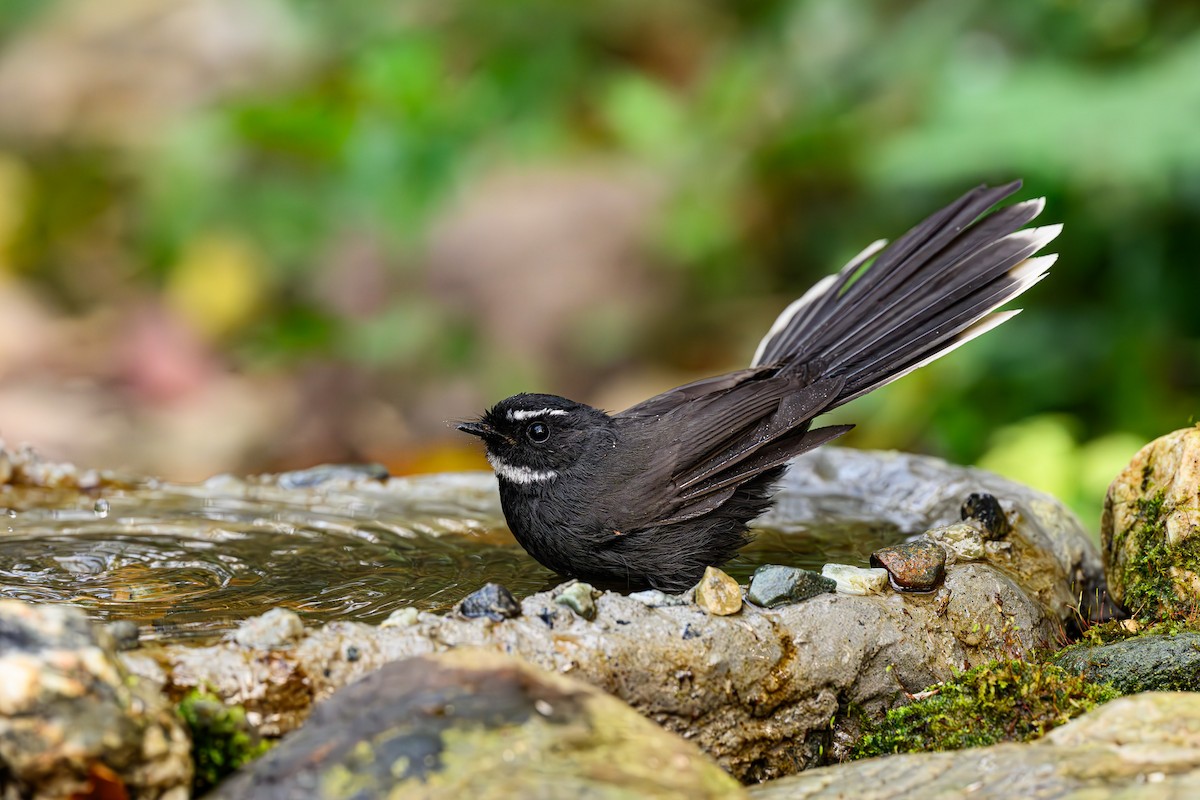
<point>789,133</point>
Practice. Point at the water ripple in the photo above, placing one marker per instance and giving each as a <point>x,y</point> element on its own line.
<point>190,562</point>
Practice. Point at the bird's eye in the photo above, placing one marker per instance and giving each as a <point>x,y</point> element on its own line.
<point>538,432</point>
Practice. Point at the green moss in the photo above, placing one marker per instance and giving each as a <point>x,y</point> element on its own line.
<point>1150,590</point>
<point>997,702</point>
<point>222,739</point>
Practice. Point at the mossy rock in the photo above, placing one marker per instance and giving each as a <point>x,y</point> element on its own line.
<point>1150,531</point>
<point>472,723</point>
<point>1003,701</point>
<point>223,741</point>
<point>1139,663</point>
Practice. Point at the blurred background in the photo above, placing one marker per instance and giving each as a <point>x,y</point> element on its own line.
<point>248,235</point>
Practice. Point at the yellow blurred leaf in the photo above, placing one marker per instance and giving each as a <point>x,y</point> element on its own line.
<point>218,284</point>
<point>1103,458</point>
<point>1040,452</point>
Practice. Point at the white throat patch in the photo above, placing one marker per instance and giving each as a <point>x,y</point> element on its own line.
<point>521,475</point>
<point>520,414</point>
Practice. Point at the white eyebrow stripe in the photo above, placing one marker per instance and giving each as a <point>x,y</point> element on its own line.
<point>521,475</point>
<point>519,414</point>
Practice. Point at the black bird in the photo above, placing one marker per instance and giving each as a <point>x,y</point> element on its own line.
<point>654,494</point>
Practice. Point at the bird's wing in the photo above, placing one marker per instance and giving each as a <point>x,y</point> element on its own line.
<point>674,398</point>
<point>728,432</point>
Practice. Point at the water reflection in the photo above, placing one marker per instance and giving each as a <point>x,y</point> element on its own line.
<point>189,562</point>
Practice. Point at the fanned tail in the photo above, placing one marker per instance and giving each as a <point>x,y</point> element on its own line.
<point>932,290</point>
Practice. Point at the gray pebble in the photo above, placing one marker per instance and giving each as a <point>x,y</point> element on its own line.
<point>492,601</point>
<point>773,585</point>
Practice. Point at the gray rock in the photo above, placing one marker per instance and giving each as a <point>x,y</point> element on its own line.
<point>1139,664</point>
<point>757,691</point>
<point>470,723</point>
<point>493,601</point>
<point>653,598</point>
<point>764,692</point>
<point>772,585</point>
<point>964,541</point>
<point>1059,561</point>
<point>277,628</point>
<point>72,716</point>
<point>1146,746</point>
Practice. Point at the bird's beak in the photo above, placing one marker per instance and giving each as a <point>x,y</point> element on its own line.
<point>480,429</point>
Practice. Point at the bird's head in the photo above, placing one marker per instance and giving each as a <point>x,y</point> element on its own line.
<point>533,438</point>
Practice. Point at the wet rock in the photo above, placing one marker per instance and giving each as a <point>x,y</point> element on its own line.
<point>401,618</point>
<point>719,594</point>
<point>492,601</point>
<point>985,509</point>
<point>24,467</point>
<point>964,541</point>
<point>913,566</point>
<point>1139,664</point>
<point>469,723</point>
<point>763,693</point>
<point>1144,746</point>
<point>856,580</point>
<point>329,473</point>
<point>124,634</point>
<point>579,597</point>
<point>277,628</point>
<point>1150,530</point>
<point>73,722</point>
<point>757,691</point>
<point>773,585</point>
<point>1051,554</point>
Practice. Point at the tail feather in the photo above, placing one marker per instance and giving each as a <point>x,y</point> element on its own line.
<point>994,275</point>
<point>897,265</point>
<point>929,292</point>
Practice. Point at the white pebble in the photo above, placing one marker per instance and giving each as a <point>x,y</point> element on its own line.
<point>856,580</point>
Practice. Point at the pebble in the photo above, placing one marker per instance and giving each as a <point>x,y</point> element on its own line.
<point>965,540</point>
<point>718,594</point>
<point>658,599</point>
<point>913,566</point>
<point>492,601</point>
<point>401,618</point>
<point>985,509</point>
<point>277,628</point>
<point>856,580</point>
<point>774,585</point>
<point>579,597</point>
